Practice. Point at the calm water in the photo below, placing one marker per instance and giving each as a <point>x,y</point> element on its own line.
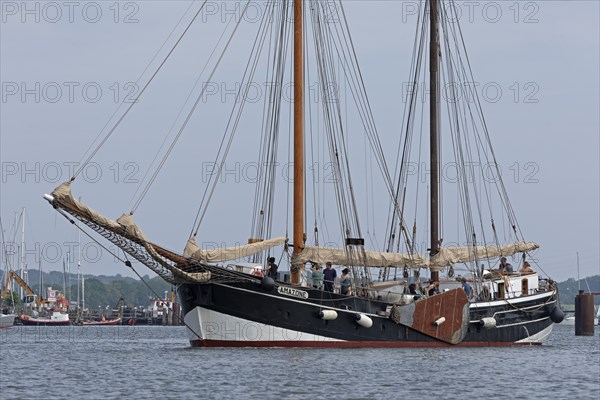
<point>156,362</point>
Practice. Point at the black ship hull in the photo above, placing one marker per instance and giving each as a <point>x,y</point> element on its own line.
<point>247,315</point>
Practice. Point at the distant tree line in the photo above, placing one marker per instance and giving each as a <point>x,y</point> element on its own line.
<point>101,291</point>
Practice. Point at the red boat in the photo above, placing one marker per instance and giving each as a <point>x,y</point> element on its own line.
<point>103,321</point>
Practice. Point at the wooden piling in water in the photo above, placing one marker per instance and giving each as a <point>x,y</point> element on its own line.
<point>584,314</point>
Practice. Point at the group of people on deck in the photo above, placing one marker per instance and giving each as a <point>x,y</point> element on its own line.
<point>324,279</point>
<point>505,268</point>
<point>432,288</point>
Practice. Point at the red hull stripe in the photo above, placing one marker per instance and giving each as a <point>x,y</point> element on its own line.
<point>345,344</point>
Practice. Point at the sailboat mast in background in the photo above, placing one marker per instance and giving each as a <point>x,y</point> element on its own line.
<point>23,261</point>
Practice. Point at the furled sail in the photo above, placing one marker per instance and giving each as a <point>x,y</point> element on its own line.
<point>127,228</point>
<point>221,254</point>
<point>453,255</point>
<point>63,194</point>
<point>338,256</point>
<point>446,257</point>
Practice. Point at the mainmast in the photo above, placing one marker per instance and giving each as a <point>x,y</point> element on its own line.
<point>434,133</point>
<point>298,137</point>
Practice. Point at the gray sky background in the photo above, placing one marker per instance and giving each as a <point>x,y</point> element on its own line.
<point>543,55</point>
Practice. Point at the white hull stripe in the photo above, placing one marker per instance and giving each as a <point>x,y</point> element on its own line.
<point>213,325</point>
<point>539,337</point>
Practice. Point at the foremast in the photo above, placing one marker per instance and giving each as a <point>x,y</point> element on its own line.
<point>298,223</point>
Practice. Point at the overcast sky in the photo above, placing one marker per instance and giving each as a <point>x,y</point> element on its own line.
<point>65,66</point>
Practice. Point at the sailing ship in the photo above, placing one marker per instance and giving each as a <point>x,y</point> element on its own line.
<point>228,306</point>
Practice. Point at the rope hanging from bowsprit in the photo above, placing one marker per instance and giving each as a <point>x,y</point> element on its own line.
<point>129,265</point>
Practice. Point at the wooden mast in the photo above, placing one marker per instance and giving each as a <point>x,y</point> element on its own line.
<point>298,97</point>
<point>434,104</point>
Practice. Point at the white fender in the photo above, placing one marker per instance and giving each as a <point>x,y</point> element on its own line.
<point>439,321</point>
<point>328,315</point>
<point>488,322</point>
<point>363,320</point>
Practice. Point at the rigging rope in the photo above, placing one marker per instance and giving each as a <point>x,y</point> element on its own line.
<point>134,101</point>
<point>189,115</point>
<point>233,119</point>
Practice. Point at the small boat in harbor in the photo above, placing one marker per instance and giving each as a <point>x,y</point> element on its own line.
<point>57,318</point>
<point>101,322</point>
<point>7,320</point>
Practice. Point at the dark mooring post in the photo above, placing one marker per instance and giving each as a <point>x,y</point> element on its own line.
<point>584,314</point>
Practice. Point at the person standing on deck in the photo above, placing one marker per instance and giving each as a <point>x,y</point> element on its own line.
<point>317,277</point>
<point>505,267</point>
<point>433,288</point>
<point>345,282</point>
<point>466,287</point>
<point>329,275</point>
<point>526,269</point>
<point>272,268</point>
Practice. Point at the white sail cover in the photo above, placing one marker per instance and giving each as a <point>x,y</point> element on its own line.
<point>446,257</point>
<point>63,193</point>
<point>336,256</point>
<point>454,255</point>
<point>125,221</point>
<point>221,254</point>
